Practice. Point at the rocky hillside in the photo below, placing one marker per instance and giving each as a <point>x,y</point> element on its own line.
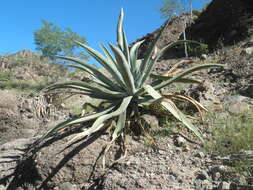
<point>222,23</point>
<point>166,156</point>
<point>30,71</point>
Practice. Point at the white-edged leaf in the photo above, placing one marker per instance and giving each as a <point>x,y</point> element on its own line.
<point>126,49</point>
<point>98,74</point>
<point>85,86</point>
<point>100,122</point>
<point>96,80</point>
<point>124,69</point>
<point>120,30</point>
<point>70,122</point>
<point>133,57</point>
<point>119,79</point>
<point>106,63</point>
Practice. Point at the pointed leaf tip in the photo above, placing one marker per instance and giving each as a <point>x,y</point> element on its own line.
<point>122,12</point>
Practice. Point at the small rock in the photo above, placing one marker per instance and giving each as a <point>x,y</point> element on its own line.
<point>216,176</point>
<point>198,184</point>
<point>247,51</point>
<point>220,169</point>
<point>207,185</point>
<point>161,152</point>
<point>200,155</point>
<point>142,182</point>
<point>203,57</point>
<point>248,44</point>
<point>224,186</point>
<point>238,107</point>
<point>186,149</point>
<point>2,187</point>
<point>202,175</point>
<point>28,132</point>
<point>151,121</point>
<point>248,91</point>
<point>180,141</point>
<point>66,186</point>
<point>174,171</point>
<point>242,180</point>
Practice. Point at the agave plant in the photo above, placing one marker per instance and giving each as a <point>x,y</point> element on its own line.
<point>126,89</point>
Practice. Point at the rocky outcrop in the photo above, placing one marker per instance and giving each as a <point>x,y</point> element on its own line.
<point>27,53</point>
<point>223,23</point>
<point>172,33</point>
<point>3,62</point>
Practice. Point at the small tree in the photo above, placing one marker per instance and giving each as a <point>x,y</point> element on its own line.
<point>52,40</point>
<point>171,8</point>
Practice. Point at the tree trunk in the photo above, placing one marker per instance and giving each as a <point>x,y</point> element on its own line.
<point>185,44</point>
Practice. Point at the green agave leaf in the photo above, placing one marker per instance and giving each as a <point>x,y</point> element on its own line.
<point>124,69</point>
<point>145,64</point>
<point>70,122</point>
<point>126,49</point>
<point>120,30</point>
<point>133,58</point>
<point>108,65</point>
<point>109,55</point>
<point>147,101</point>
<point>99,123</point>
<point>181,75</point>
<point>96,81</point>
<point>147,73</point>
<point>120,126</point>
<point>174,111</point>
<point>98,74</point>
<point>183,80</point>
<point>160,53</point>
<point>120,80</point>
<point>84,86</point>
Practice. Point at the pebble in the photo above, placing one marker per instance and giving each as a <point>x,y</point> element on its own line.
<point>180,141</point>
<point>202,175</point>
<point>66,186</point>
<point>200,155</point>
<point>216,176</point>
<point>224,186</point>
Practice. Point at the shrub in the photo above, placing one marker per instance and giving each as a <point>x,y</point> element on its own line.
<point>232,134</point>
<point>232,138</point>
<point>5,75</point>
<point>126,91</point>
<point>28,85</point>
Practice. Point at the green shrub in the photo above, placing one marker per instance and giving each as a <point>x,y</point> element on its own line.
<point>126,91</point>
<point>198,50</point>
<point>5,75</point>
<point>21,85</point>
<point>233,135</point>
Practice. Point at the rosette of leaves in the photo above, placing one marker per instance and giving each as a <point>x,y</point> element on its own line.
<point>125,90</point>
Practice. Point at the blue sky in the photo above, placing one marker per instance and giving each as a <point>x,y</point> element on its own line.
<point>93,19</point>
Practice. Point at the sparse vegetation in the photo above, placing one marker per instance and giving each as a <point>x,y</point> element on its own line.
<point>21,85</point>
<point>152,112</point>
<point>232,134</point>
<point>232,139</point>
<point>5,75</point>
